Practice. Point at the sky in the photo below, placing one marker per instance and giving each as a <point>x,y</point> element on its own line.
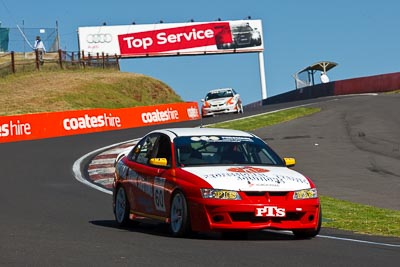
<point>362,37</point>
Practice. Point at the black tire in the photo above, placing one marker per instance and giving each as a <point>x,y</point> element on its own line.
<point>179,215</point>
<point>307,234</point>
<point>121,207</point>
<point>239,108</point>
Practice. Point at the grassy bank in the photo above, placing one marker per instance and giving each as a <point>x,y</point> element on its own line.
<point>47,91</point>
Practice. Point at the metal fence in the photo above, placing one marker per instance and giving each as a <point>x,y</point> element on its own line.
<point>17,53</point>
<point>22,39</point>
<point>13,62</point>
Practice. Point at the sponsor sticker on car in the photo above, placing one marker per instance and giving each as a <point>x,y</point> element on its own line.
<point>270,211</point>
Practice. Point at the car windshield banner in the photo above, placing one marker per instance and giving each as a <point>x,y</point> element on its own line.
<point>168,39</point>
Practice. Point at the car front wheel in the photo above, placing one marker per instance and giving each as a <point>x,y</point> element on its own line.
<point>180,221</point>
<point>239,109</point>
<point>121,207</point>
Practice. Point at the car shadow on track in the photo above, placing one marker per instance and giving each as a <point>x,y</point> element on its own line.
<point>162,230</point>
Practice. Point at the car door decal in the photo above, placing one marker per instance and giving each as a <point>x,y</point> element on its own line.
<point>159,199</point>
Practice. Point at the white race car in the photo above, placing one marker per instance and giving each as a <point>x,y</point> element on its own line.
<point>224,100</point>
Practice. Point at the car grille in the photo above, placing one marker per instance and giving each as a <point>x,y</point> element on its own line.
<point>250,217</point>
<point>243,39</point>
<point>262,193</point>
<point>272,196</point>
<point>218,105</point>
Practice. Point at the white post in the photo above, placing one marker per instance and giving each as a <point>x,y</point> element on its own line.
<point>262,75</point>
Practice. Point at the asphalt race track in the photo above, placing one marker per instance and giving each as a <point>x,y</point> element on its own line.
<point>350,149</point>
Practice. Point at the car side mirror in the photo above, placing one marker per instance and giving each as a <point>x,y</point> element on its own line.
<point>289,162</point>
<point>202,100</point>
<point>158,162</point>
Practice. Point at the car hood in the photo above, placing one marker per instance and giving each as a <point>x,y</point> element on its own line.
<point>217,101</point>
<point>251,178</point>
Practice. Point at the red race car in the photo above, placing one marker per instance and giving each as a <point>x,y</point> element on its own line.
<point>205,179</point>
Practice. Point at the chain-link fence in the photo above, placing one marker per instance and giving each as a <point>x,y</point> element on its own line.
<point>12,62</point>
<point>22,39</point>
<point>17,53</point>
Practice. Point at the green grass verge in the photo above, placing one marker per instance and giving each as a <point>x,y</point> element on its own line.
<point>267,119</point>
<point>337,213</point>
<point>359,218</point>
<point>394,92</point>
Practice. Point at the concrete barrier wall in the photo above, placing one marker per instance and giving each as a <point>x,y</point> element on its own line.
<point>370,84</point>
<point>308,92</point>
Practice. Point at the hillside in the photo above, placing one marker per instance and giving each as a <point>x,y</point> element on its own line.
<point>47,91</point>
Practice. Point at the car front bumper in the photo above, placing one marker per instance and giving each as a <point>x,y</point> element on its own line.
<point>219,110</point>
<point>299,214</point>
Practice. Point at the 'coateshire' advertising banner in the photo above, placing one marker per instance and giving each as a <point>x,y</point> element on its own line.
<point>54,124</point>
<point>168,39</point>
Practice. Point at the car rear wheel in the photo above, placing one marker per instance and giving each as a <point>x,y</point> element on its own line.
<point>121,208</point>
<point>180,221</point>
<point>306,234</point>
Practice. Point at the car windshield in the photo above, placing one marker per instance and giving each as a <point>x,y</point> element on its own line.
<point>218,94</point>
<point>242,28</point>
<point>224,150</point>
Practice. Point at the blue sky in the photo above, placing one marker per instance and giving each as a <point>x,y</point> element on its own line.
<point>363,37</point>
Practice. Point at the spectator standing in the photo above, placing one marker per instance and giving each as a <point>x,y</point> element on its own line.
<point>324,78</point>
<point>39,46</point>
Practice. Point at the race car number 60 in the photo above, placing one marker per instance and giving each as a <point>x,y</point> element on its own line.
<point>159,193</point>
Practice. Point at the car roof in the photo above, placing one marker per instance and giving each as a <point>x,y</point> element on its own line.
<point>176,132</point>
<point>220,89</point>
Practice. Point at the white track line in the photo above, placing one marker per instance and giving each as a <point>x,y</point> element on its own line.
<point>359,241</point>
<point>76,168</point>
<point>339,238</point>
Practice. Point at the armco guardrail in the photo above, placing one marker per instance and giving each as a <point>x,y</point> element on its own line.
<point>54,124</point>
<point>370,84</point>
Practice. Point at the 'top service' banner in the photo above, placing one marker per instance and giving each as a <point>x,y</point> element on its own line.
<point>173,38</point>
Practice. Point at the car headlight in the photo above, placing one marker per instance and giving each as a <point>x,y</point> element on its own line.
<point>206,104</point>
<point>219,194</point>
<point>305,194</point>
<point>255,36</point>
<point>230,101</point>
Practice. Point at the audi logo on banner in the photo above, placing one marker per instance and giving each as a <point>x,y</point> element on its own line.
<point>99,38</point>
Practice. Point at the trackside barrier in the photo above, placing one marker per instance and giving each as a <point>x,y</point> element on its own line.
<point>55,124</point>
<point>370,84</point>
